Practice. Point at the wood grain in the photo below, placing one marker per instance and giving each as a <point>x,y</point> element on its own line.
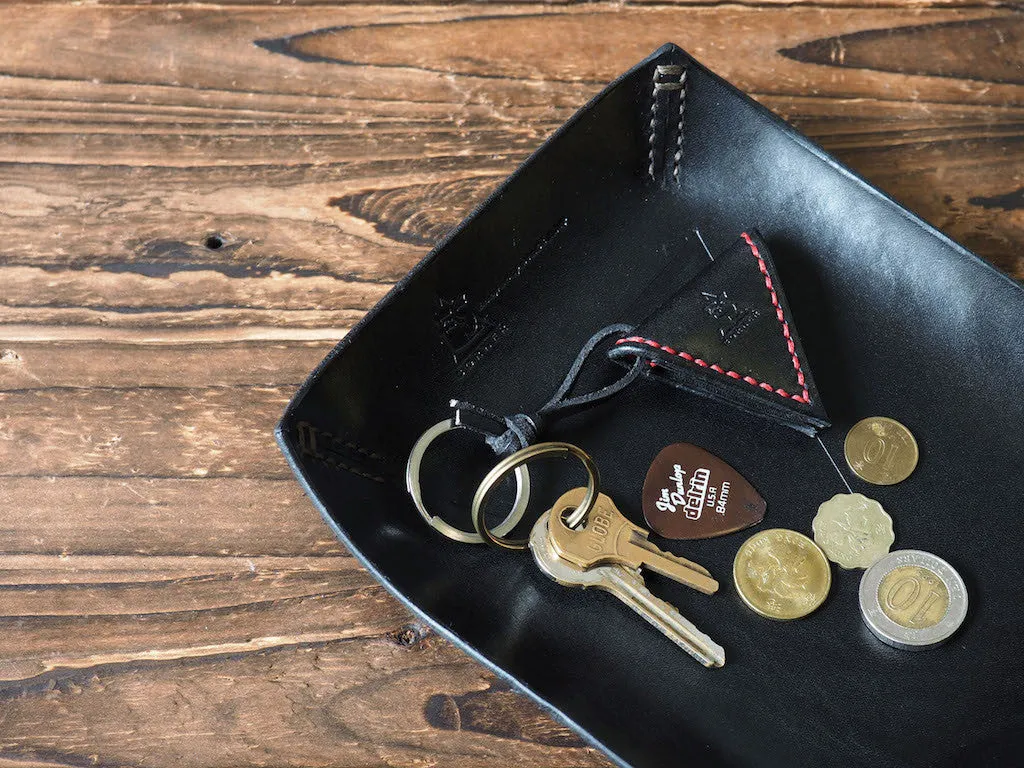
<point>197,200</point>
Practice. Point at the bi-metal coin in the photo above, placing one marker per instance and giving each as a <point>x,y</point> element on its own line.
<point>881,451</point>
<point>853,530</point>
<point>912,599</point>
<point>781,574</point>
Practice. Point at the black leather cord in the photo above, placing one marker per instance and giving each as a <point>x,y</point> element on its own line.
<point>521,429</point>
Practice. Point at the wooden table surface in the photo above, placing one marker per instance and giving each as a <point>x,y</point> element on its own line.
<point>196,202</point>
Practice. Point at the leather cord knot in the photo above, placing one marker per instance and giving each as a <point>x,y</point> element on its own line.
<point>515,432</point>
<point>522,431</point>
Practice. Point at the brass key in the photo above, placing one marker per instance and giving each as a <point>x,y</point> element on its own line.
<point>628,586</point>
<point>607,538</point>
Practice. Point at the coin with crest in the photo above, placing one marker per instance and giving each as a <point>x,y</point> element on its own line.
<point>881,451</point>
<point>781,574</point>
<point>853,530</point>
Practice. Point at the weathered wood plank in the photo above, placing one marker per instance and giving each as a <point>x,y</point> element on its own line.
<point>426,45</point>
<point>176,609</point>
<point>103,586</point>
<point>294,164</point>
<point>398,700</point>
<point>36,364</point>
<point>139,432</point>
<point>124,517</point>
<point>19,334</point>
<point>631,4</point>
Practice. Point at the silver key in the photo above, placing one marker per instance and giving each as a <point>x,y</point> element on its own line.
<point>628,586</point>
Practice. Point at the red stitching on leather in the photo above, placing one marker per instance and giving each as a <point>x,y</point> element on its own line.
<point>804,397</point>
<point>781,317</point>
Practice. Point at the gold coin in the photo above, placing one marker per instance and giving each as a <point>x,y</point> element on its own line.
<point>853,530</point>
<point>781,574</point>
<point>913,597</point>
<point>881,451</point>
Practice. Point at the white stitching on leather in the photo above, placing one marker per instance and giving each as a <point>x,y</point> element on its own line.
<point>679,128</point>
<point>669,70</point>
<point>654,113</point>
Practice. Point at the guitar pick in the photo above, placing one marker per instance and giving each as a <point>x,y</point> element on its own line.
<point>692,494</point>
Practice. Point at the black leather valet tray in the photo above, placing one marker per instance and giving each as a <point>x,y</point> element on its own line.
<point>895,320</point>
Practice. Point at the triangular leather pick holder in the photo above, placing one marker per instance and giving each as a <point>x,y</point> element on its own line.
<point>728,334</point>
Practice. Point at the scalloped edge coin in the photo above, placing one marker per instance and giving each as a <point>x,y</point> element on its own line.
<point>853,530</point>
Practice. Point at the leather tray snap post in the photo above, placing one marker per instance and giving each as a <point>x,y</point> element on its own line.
<point>896,320</point>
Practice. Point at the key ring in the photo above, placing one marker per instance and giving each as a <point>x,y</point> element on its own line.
<point>516,462</point>
<point>412,484</point>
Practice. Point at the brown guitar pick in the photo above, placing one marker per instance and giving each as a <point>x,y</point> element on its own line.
<point>692,494</point>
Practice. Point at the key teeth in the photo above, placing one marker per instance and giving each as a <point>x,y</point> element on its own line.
<point>692,565</point>
<point>705,583</point>
<point>711,655</point>
<point>714,662</point>
<point>639,537</point>
<point>626,584</point>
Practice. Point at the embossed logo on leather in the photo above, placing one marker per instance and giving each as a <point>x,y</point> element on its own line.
<point>461,327</point>
<point>732,319</point>
<point>726,334</point>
